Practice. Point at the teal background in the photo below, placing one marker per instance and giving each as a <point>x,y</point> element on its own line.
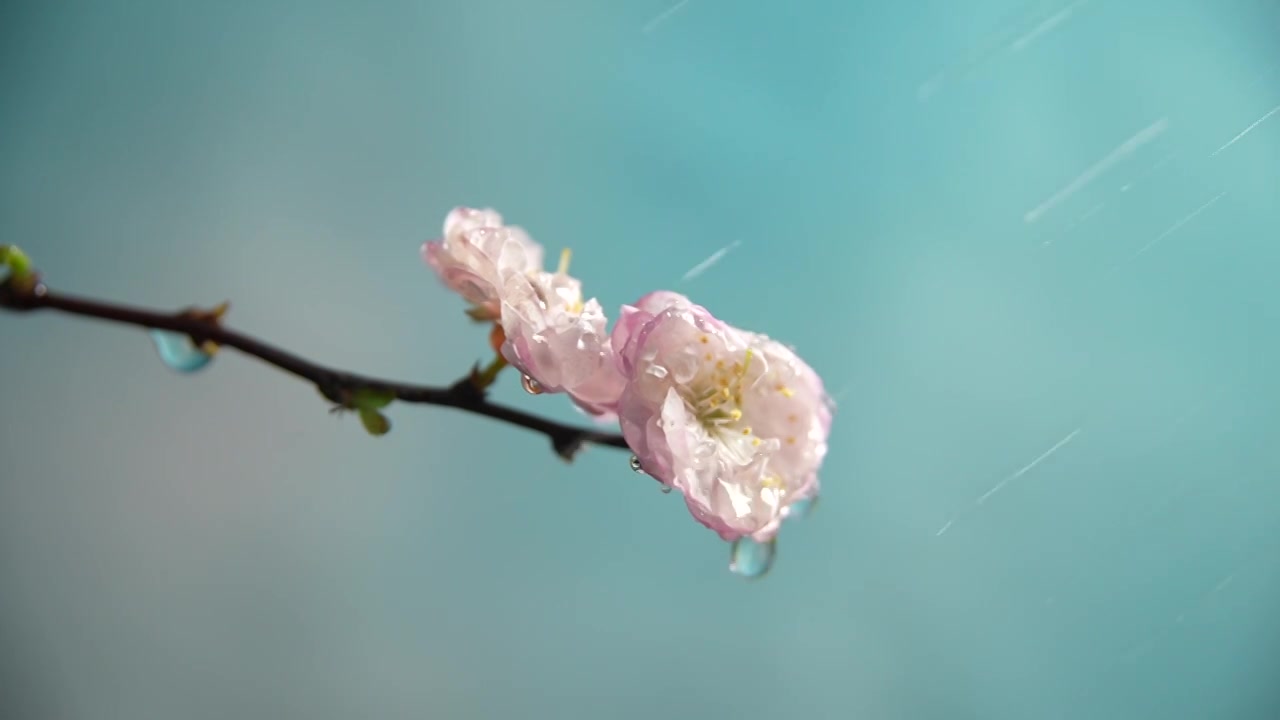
<point>218,546</point>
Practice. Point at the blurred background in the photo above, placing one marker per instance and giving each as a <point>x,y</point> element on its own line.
<point>1031,247</point>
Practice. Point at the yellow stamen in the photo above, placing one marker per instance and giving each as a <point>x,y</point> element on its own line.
<point>704,340</point>
<point>746,431</point>
<point>565,256</point>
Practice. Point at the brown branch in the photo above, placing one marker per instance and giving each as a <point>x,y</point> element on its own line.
<point>336,385</point>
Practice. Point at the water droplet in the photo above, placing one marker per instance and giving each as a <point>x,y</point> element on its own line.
<point>530,385</point>
<point>752,559</point>
<point>635,464</point>
<point>801,509</point>
<point>666,489</point>
<point>178,352</point>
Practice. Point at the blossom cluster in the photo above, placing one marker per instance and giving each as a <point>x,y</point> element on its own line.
<point>732,419</point>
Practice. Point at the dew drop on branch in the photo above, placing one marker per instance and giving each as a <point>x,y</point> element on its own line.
<point>751,559</point>
<point>178,352</point>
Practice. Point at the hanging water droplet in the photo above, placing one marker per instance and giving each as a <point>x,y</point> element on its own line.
<point>635,464</point>
<point>178,352</point>
<point>801,509</point>
<point>530,385</point>
<point>666,489</point>
<point>751,559</point>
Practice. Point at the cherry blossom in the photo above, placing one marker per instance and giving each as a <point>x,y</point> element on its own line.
<point>734,420</point>
<point>560,342</point>
<point>476,256</point>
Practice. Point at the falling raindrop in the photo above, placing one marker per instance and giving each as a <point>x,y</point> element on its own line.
<point>751,559</point>
<point>530,385</point>
<point>179,352</point>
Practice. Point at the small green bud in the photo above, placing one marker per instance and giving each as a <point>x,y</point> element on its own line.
<point>365,399</point>
<point>16,261</point>
<point>374,422</point>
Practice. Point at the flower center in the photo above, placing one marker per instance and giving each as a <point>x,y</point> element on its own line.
<point>716,398</point>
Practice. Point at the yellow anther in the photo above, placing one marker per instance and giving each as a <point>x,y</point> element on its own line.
<point>771,481</point>
<point>791,441</point>
<point>755,442</point>
<point>565,256</point>
<point>725,392</point>
<point>719,364</point>
<point>792,417</point>
<point>704,340</point>
<point>735,414</point>
<point>746,431</point>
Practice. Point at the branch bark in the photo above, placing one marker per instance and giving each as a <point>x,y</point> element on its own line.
<point>338,386</point>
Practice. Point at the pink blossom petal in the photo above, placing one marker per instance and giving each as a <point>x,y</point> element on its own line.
<point>478,253</point>
<point>560,341</point>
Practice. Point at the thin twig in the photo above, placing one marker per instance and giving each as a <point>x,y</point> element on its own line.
<point>338,386</point>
